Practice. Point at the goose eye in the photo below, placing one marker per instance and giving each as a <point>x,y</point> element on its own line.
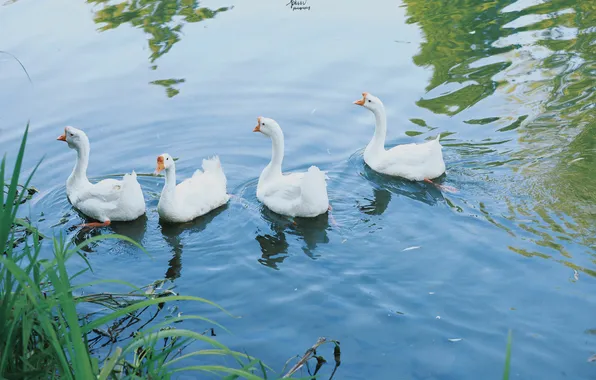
<point>263,124</point>
<point>72,135</point>
<point>369,100</point>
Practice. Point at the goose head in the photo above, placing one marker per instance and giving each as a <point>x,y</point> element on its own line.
<point>164,162</point>
<point>266,126</point>
<point>370,101</point>
<point>75,138</point>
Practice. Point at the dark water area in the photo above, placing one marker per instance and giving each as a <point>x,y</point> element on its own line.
<point>407,270</point>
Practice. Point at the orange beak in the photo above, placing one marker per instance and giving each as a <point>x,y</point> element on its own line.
<point>361,101</point>
<point>62,137</point>
<point>258,127</point>
<point>160,165</point>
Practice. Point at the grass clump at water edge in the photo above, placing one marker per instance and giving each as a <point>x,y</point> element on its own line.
<point>43,334</point>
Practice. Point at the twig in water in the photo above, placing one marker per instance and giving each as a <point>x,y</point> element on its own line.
<point>337,357</point>
<point>312,352</point>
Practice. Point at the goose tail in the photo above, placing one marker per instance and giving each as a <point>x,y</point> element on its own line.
<point>314,188</point>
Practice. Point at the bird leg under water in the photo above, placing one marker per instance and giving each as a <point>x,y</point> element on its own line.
<point>448,189</point>
<point>333,221</point>
<point>95,224</point>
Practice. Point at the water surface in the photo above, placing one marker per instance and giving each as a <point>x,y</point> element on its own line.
<point>508,84</point>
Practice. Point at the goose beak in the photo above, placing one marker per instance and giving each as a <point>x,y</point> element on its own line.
<point>160,165</point>
<point>258,127</point>
<point>360,102</point>
<point>61,137</point>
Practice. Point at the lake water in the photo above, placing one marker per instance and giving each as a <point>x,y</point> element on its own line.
<point>509,84</point>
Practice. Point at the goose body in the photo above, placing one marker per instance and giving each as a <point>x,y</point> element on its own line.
<point>107,200</point>
<point>301,194</point>
<point>415,161</point>
<point>193,197</point>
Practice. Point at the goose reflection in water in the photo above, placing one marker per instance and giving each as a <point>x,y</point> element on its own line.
<point>171,233</point>
<point>378,204</point>
<point>274,246</point>
<point>134,230</point>
<point>386,185</point>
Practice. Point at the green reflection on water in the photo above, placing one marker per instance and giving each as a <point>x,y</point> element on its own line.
<point>169,84</point>
<point>457,34</point>
<point>541,60</point>
<point>162,20</point>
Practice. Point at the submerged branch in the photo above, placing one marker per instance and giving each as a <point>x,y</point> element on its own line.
<point>312,353</point>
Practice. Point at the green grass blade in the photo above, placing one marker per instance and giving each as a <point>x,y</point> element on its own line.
<point>21,196</point>
<point>507,357</point>
<point>215,352</point>
<point>2,166</point>
<point>97,282</point>
<point>143,339</point>
<point>218,368</point>
<point>28,226</point>
<point>101,321</point>
<point>12,189</point>
<point>110,364</point>
<point>80,354</point>
<point>185,318</point>
<point>104,237</point>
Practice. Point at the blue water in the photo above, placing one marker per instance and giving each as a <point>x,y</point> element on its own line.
<point>407,268</point>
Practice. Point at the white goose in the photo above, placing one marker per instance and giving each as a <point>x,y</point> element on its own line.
<point>295,194</point>
<point>415,162</point>
<point>193,197</point>
<point>107,200</point>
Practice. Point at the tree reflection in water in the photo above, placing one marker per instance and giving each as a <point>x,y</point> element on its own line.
<point>536,61</point>
<point>161,20</point>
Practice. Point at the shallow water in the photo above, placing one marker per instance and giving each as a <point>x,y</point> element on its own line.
<point>508,84</point>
